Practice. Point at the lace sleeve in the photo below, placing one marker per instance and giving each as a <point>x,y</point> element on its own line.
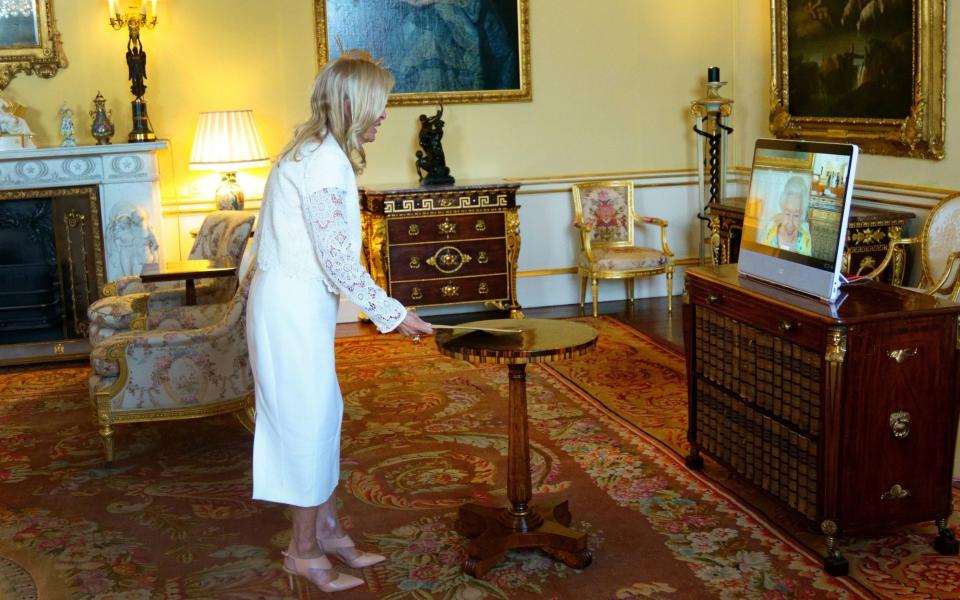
<point>323,211</point>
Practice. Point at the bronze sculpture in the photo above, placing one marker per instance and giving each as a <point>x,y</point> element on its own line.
<point>431,165</point>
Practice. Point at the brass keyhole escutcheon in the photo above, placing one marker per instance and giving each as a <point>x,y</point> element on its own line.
<point>449,260</point>
<point>896,492</point>
<point>447,227</point>
<point>413,230</point>
<point>902,354</point>
<point>416,293</point>
<point>481,225</point>
<point>450,290</point>
<point>788,326</point>
<point>414,262</point>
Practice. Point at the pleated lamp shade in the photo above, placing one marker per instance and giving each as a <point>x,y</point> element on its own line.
<point>227,141</point>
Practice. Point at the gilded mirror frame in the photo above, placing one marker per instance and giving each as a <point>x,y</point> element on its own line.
<point>919,134</point>
<point>519,39</point>
<point>42,56</point>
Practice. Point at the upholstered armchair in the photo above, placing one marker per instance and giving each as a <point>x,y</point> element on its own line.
<point>190,361</point>
<point>939,242</point>
<point>606,219</point>
<point>125,302</point>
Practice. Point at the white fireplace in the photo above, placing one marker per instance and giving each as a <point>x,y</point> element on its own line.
<point>128,183</point>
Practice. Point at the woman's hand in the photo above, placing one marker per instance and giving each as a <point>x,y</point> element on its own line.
<point>413,326</point>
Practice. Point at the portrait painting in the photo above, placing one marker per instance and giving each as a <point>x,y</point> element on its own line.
<point>439,51</point>
<point>869,72</point>
<point>19,25</point>
<point>29,40</point>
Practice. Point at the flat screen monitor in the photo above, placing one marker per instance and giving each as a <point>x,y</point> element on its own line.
<point>795,218</point>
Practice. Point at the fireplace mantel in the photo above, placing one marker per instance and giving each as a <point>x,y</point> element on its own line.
<point>126,176</point>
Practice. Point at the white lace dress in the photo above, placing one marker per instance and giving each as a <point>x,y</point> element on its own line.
<point>308,253</point>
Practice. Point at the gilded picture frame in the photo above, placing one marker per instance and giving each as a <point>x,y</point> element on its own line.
<point>30,42</point>
<point>868,72</point>
<point>440,51</point>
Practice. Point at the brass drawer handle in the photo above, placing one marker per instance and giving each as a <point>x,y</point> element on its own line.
<point>900,424</point>
<point>449,259</point>
<point>413,230</point>
<point>480,225</point>
<point>414,262</point>
<point>447,227</point>
<point>450,290</point>
<point>787,326</point>
<point>416,293</point>
<point>714,299</point>
<point>897,492</point>
<point>902,354</point>
<point>482,257</point>
<point>484,289</point>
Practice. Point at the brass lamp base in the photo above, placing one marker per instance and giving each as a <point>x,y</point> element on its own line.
<point>141,123</point>
<point>229,194</point>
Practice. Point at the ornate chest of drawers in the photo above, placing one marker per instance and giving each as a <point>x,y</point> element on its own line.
<point>869,232</point>
<point>443,244</point>
<point>846,413</point>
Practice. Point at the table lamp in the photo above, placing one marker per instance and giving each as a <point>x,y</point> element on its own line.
<point>227,141</point>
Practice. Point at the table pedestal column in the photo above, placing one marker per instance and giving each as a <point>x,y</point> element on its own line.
<point>495,530</point>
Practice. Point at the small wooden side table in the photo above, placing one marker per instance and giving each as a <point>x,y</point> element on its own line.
<point>189,271</point>
<point>495,530</point>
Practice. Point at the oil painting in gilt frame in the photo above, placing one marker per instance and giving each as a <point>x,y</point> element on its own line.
<point>440,51</point>
<point>29,41</point>
<point>867,72</point>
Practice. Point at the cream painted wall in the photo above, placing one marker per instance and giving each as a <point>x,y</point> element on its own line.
<point>612,81</point>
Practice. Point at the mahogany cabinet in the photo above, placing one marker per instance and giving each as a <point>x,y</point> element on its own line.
<point>845,412</point>
<point>437,245</point>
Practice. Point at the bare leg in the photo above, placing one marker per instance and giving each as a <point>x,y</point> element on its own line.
<point>303,541</point>
<point>328,526</point>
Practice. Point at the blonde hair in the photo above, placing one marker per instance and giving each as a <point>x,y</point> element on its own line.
<point>349,95</point>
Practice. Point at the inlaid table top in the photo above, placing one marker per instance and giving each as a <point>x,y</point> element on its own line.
<point>539,340</point>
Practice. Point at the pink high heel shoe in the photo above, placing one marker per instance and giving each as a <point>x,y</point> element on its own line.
<point>302,567</point>
<point>336,546</point>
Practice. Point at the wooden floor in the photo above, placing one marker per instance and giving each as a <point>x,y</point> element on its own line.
<point>648,315</point>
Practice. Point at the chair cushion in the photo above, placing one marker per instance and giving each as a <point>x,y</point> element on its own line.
<point>117,312</point>
<point>625,259</point>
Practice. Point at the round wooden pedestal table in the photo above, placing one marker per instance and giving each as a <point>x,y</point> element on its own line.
<point>495,530</point>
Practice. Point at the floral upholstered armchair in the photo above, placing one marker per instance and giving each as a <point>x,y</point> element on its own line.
<point>939,252</point>
<point>606,218</point>
<point>191,361</point>
<point>125,302</point>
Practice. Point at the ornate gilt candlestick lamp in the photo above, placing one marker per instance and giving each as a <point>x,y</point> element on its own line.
<point>712,114</point>
<point>135,16</point>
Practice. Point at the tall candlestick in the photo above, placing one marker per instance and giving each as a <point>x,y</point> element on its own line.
<point>112,7</point>
<point>154,6</point>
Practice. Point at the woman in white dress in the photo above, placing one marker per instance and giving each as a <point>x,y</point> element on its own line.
<point>308,253</point>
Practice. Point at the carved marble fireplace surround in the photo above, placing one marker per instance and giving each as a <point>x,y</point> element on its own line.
<point>127,202</point>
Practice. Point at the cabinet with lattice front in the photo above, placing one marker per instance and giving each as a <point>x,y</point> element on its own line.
<point>845,412</point>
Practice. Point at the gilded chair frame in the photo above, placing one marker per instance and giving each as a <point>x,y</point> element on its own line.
<point>243,407</point>
<point>932,281</point>
<point>587,245</point>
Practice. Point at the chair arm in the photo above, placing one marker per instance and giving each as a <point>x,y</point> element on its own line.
<point>641,220</point>
<point>942,287</point>
<point>585,229</point>
<point>891,248</point>
<point>128,284</point>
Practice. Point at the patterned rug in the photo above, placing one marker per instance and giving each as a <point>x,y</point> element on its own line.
<point>422,435</point>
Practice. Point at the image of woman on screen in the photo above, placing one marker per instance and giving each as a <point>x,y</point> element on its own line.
<point>788,229</point>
